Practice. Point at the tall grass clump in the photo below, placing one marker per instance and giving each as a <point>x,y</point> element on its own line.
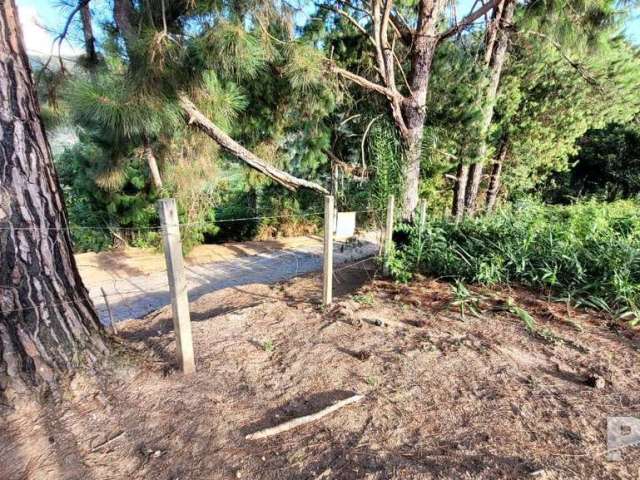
<point>588,253</point>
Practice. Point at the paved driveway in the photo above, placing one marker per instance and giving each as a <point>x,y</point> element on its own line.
<point>136,284</point>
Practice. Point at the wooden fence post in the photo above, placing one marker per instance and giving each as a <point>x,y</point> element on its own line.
<point>327,265</point>
<point>388,233</point>
<point>177,283</point>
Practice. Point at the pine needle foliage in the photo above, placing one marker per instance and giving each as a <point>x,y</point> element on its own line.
<point>304,67</point>
<point>221,101</point>
<point>112,105</point>
<point>233,51</point>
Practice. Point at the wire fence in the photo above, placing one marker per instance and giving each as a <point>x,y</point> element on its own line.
<point>159,228</point>
<point>125,284</point>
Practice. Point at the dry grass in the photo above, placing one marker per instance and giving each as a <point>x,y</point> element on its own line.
<point>444,398</point>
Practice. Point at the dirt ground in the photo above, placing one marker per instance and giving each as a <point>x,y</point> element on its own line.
<point>444,398</point>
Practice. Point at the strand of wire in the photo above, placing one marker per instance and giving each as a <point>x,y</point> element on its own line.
<point>244,266</point>
<point>189,224</point>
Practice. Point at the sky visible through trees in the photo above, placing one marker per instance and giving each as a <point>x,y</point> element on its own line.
<point>36,14</point>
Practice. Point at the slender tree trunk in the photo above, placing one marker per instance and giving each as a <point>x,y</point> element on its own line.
<point>48,324</point>
<point>410,119</point>
<point>495,51</point>
<point>459,188</point>
<point>473,184</point>
<point>152,162</point>
<point>123,14</point>
<point>497,42</point>
<point>89,39</point>
<point>494,181</point>
<point>413,155</point>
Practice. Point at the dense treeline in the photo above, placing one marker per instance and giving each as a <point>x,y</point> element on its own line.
<point>508,110</point>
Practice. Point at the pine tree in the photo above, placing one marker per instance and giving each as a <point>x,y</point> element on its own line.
<point>495,53</point>
<point>546,104</point>
<point>48,324</point>
<point>159,56</point>
<point>569,38</point>
<point>387,27</point>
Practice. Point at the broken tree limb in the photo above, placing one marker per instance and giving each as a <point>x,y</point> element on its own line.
<point>296,422</point>
<point>367,84</point>
<point>468,20</point>
<point>197,118</point>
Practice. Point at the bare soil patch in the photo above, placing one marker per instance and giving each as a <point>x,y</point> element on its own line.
<point>444,398</point>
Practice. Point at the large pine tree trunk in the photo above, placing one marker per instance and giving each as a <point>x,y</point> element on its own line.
<point>410,122</point>
<point>48,324</point>
<point>496,59</point>
<point>413,155</point>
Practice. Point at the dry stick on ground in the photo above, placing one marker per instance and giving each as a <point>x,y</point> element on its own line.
<point>107,442</point>
<point>296,422</point>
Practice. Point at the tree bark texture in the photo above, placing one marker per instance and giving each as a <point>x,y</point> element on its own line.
<point>494,181</point>
<point>48,324</point>
<point>152,163</point>
<point>499,42</point>
<point>413,156</point>
<point>458,191</point>
<point>89,39</point>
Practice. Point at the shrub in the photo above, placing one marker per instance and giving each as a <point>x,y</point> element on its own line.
<point>588,252</point>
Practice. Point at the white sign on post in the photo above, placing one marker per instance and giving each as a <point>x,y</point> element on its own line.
<point>345,224</point>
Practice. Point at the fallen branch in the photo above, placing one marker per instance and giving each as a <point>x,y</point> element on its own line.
<point>107,442</point>
<point>296,422</point>
<point>197,118</point>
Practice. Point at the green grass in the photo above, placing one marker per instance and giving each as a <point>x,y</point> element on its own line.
<point>588,253</point>
<point>364,299</point>
<point>268,346</point>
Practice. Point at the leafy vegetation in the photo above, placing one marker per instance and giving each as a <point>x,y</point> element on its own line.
<point>588,252</point>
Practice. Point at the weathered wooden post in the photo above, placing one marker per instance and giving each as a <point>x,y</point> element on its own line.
<point>114,330</point>
<point>327,264</point>
<point>177,283</point>
<point>388,234</point>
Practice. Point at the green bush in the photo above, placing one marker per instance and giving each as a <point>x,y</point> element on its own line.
<point>106,206</point>
<point>588,252</point>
